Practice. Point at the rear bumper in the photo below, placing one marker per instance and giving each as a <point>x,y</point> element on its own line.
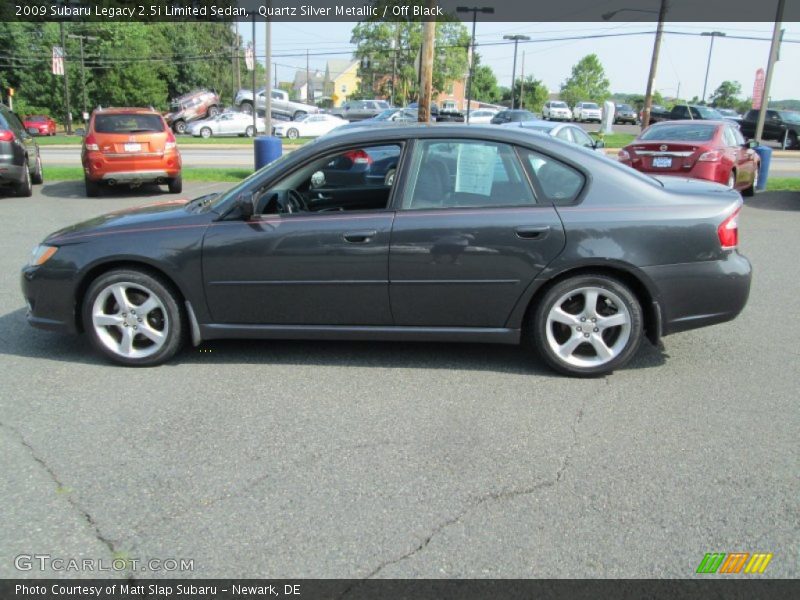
<point>9,172</point>
<point>137,176</point>
<point>693,295</point>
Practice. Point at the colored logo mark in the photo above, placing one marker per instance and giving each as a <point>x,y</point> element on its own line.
<point>732,563</point>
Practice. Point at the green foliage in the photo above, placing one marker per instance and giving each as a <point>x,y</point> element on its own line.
<point>587,82</point>
<point>380,43</point>
<point>726,95</point>
<point>534,94</point>
<point>484,82</point>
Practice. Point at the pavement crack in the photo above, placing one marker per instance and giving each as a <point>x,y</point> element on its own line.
<point>568,456</point>
<point>60,486</point>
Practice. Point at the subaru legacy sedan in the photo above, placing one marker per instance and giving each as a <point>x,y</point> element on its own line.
<point>482,235</point>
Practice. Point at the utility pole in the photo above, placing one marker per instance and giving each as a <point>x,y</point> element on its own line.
<point>255,95</point>
<point>712,34</point>
<point>522,83</point>
<point>83,68</point>
<point>237,75</point>
<point>275,75</point>
<point>395,45</point>
<point>516,39</point>
<point>267,90</point>
<point>426,66</point>
<point>773,58</point>
<point>648,97</point>
<point>68,118</point>
<point>471,55</point>
<point>308,81</point>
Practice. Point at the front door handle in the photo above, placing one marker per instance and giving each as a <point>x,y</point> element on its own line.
<point>533,232</point>
<point>359,237</point>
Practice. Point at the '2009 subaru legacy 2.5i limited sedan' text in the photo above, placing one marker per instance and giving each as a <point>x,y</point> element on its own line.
<point>483,235</point>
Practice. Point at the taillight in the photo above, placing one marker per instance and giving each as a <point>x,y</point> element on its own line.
<point>624,155</point>
<point>711,156</point>
<point>728,231</point>
<point>6,136</point>
<point>91,143</point>
<point>171,144</point>
<point>359,157</point>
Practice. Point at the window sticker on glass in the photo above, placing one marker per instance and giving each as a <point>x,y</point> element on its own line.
<point>475,168</point>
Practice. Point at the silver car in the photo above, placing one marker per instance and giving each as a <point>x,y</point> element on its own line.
<point>563,131</point>
<point>229,123</point>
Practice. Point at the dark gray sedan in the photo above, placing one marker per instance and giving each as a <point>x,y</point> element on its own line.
<point>484,234</point>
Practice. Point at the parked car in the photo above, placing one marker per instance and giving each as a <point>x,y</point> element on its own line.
<point>20,162</point>
<point>730,114</point>
<point>486,234</point>
<point>711,150</point>
<point>625,113</point>
<point>389,117</point>
<point>512,116</point>
<point>779,125</point>
<point>447,114</point>
<point>556,109</point>
<point>43,124</point>
<point>280,105</point>
<point>308,126</point>
<point>227,124</point>
<point>129,146</point>
<point>482,116</point>
<point>657,113</point>
<point>689,112</point>
<point>198,104</point>
<point>587,111</point>
<point>562,131</point>
<point>358,110</point>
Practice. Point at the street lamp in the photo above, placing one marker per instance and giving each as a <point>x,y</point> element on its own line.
<point>83,70</point>
<point>712,34</point>
<point>516,39</point>
<point>662,13</point>
<point>474,10</point>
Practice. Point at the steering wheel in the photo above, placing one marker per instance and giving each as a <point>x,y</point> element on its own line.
<point>294,202</point>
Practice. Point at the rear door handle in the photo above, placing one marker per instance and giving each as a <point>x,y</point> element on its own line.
<point>359,237</point>
<point>532,232</point>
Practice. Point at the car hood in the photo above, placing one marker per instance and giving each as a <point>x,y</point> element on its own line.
<point>145,217</point>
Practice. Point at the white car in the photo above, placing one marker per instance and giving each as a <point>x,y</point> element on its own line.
<point>229,123</point>
<point>482,115</point>
<point>308,126</point>
<point>587,111</point>
<point>556,110</point>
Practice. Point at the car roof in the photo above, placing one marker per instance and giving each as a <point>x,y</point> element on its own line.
<point>126,110</point>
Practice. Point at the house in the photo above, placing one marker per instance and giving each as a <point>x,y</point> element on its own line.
<point>300,88</point>
<point>453,96</point>
<point>341,79</point>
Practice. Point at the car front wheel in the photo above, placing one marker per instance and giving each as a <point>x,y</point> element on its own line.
<point>587,325</point>
<point>292,134</point>
<point>205,132</point>
<point>133,318</point>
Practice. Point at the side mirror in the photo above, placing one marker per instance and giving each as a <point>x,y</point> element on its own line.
<point>599,144</point>
<point>246,207</point>
<point>751,144</point>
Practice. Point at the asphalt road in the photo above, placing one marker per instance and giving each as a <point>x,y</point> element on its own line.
<point>291,459</point>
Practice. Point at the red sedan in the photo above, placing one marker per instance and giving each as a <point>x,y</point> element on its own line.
<point>43,124</point>
<point>710,150</point>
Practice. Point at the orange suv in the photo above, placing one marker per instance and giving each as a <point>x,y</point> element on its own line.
<point>129,146</point>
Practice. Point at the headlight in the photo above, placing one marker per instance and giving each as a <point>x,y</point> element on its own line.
<point>41,254</point>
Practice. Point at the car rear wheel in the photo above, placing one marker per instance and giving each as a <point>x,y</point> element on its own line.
<point>179,127</point>
<point>792,142</point>
<point>751,191</point>
<point>292,134</point>
<point>37,176</point>
<point>175,185</point>
<point>205,132</point>
<point>587,325</point>
<point>92,187</point>
<point>299,113</point>
<point>134,318</point>
<point>24,187</point>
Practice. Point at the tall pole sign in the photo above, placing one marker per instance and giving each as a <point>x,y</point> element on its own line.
<point>758,88</point>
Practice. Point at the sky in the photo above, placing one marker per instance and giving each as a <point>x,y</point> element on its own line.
<point>626,59</point>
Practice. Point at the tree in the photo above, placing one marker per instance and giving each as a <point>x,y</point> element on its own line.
<point>534,94</point>
<point>588,82</point>
<point>378,42</point>
<point>726,95</point>
<point>484,83</point>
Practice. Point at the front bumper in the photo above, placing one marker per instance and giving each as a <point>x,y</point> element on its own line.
<point>693,295</point>
<point>49,295</point>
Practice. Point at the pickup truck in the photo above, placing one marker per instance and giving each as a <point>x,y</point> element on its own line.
<point>682,112</point>
<point>780,125</point>
<point>281,105</point>
<point>359,110</point>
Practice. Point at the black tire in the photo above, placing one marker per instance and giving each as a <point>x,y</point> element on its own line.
<point>205,132</point>
<point>538,322</point>
<point>37,177</point>
<point>213,111</point>
<point>248,132</point>
<point>92,188</point>
<point>389,177</point>
<point>175,185</point>
<point>292,134</point>
<point>173,319</point>
<point>24,188</point>
<point>246,107</point>
<point>792,142</point>
<point>179,126</point>
<point>299,113</point>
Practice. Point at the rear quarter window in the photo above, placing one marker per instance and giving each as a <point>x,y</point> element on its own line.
<point>558,182</point>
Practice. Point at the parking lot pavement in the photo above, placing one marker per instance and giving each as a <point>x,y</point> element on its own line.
<point>292,459</point>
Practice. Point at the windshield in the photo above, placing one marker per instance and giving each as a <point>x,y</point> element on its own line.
<point>679,133</point>
<point>791,117</point>
<point>590,105</point>
<point>122,123</point>
<point>543,127</point>
<point>708,113</point>
<point>624,107</point>
<point>385,115</point>
<point>559,105</point>
<point>37,119</point>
